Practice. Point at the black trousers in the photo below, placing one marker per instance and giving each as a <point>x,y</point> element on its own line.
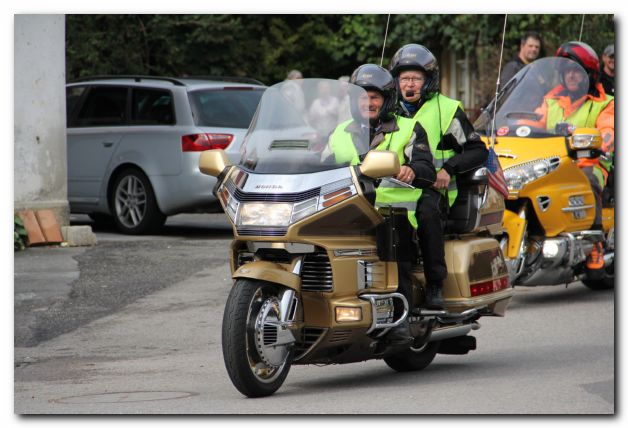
<point>431,215</point>
<point>597,193</point>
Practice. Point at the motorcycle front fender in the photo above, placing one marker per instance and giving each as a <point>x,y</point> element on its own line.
<point>269,272</point>
<point>515,228</point>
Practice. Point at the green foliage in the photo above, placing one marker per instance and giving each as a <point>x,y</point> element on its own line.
<point>266,47</point>
<point>19,234</point>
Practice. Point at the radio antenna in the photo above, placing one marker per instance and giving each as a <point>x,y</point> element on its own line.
<point>381,61</point>
<point>499,72</point>
<point>581,28</point>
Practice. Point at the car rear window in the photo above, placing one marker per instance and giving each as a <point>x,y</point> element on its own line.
<point>105,105</point>
<point>152,107</point>
<point>225,107</point>
<point>72,96</point>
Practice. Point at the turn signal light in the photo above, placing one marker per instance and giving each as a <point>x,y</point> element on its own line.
<point>202,142</point>
<point>347,314</point>
<point>489,286</point>
<point>337,196</point>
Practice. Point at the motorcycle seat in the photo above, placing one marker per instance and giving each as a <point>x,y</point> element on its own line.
<point>464,214</point>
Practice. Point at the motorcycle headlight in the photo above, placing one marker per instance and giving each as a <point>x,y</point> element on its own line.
<point>519,175</point>
<point>276,214</point>
<point>514,181</point>
<point>264,214</point>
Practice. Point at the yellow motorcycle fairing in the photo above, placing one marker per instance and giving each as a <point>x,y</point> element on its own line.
<point>557,196</point>
<point>515,228</point>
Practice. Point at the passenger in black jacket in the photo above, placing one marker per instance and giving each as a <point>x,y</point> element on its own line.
<point>455,147</point>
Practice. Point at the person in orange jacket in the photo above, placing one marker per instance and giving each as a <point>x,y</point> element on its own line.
<point>593,108</point>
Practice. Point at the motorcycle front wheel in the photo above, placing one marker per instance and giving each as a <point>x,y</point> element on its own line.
<point>256,364</point>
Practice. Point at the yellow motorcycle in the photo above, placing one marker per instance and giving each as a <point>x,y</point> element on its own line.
<point>550,207</point>
<point>315,264</point>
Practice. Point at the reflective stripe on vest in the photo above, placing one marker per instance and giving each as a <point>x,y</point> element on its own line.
<point>390,194</point>
<point>439,108</point>
<point>387,194</point>
<point>585,116</point>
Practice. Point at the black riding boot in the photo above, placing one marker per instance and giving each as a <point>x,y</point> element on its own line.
<point>434,296</point>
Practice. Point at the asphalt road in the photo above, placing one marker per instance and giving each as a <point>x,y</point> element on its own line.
<point>138,331</point>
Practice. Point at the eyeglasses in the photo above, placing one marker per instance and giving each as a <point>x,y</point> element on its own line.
<point>411,79</point>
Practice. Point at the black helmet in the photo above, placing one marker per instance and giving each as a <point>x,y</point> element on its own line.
<point>374,77</point>
<point>417,57</point>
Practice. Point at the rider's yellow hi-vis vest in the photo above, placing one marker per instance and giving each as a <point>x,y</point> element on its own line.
<point>585,116</point>
<point>387,194</point>
<point>435,116</point>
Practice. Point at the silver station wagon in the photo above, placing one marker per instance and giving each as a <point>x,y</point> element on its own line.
<point>133,144</point>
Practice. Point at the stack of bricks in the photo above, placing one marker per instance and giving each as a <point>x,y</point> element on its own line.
<point>42,227</point>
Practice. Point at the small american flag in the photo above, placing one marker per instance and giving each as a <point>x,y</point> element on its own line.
<point>495,173</point>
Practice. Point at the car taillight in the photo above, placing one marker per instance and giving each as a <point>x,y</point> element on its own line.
<point>201,142</point>
<point>489,286</point>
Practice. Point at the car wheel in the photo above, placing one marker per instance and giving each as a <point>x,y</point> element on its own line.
<point>133,203</point>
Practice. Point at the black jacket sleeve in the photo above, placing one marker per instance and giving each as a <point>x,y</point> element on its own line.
<point>421,160</point>
<point>510,69</point>
<point>471,152</point>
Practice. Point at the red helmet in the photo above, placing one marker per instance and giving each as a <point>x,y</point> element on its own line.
<point>584,55</point>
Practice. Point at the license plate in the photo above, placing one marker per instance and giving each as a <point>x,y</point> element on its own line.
<point>584,154</point>
<point>384,310</point>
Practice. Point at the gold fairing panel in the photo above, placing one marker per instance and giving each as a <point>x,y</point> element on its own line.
<point>565,181</point>
<point>491,213</point>
<point>347,220</point>
<point>472,260</point>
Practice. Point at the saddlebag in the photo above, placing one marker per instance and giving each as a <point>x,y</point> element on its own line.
<point>395,236</point>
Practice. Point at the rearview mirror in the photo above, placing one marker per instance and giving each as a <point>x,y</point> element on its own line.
<point>585,138</point>
<point>380,163</point>
<point>213,162</point>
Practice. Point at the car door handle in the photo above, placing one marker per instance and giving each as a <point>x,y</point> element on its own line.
<point>107,143</point>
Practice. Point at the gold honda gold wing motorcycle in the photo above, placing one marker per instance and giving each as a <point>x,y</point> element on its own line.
<point>550,208</point>
<point>314,263</point>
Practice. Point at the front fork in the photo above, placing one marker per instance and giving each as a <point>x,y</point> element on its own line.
<point>513,243</point>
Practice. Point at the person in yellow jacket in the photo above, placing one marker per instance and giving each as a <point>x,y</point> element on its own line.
<point>455,146</point>
<point>580,100</point>
<point>387,131</point>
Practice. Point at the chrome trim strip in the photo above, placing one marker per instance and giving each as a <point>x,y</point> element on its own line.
<point>448,333</point>
<point>578,208</point>
<point>293,183</point>
<point>291,247</point>
<point>355,252</point>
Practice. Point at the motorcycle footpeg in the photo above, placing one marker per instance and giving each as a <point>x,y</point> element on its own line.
<point>422,312</point>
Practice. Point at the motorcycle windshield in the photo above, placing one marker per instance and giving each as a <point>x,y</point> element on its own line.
<point>520,103</point>
<point>290,132</point>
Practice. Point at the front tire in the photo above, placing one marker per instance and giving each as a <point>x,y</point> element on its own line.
<point>133,203</point>
<point>256,370</point>
<point>413,359</point>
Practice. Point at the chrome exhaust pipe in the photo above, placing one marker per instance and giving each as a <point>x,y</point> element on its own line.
<point>608,258</point>
<point>449,332</point>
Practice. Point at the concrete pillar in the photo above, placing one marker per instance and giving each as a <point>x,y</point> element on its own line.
<point>40,166</point>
